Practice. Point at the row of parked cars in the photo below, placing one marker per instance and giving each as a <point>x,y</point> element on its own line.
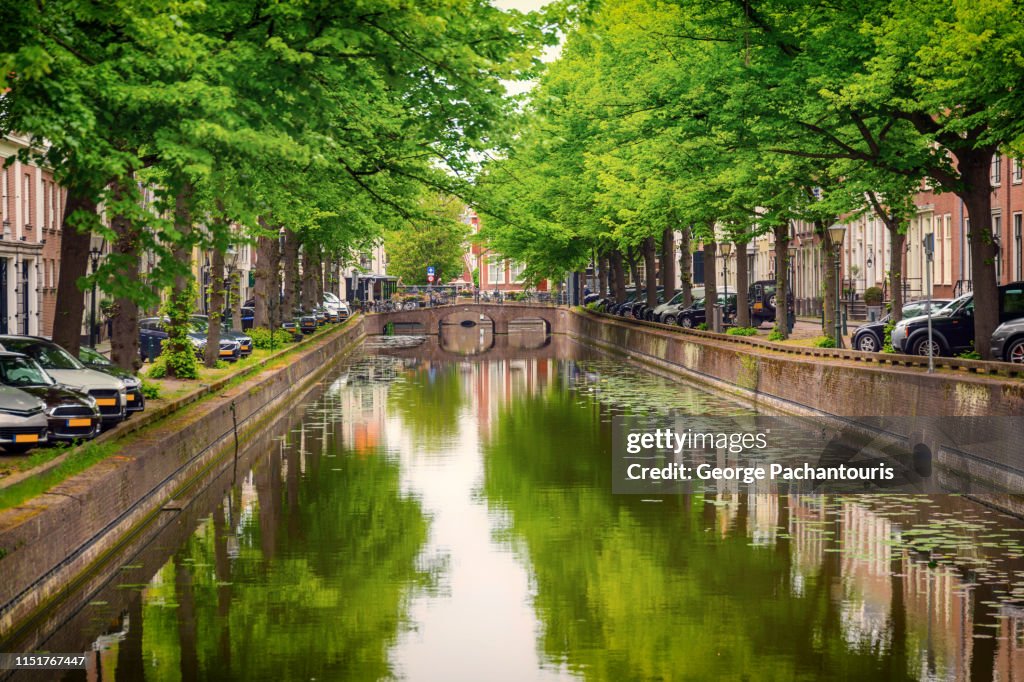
<point>760,296</point>
<point>952,323</point>
<point>49,395</point>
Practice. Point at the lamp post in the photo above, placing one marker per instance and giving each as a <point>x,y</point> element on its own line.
<point>94,260</point>
<point>726,249</point>
<point>929,251</point>
<point>837,232</point>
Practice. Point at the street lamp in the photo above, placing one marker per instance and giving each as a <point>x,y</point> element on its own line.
<point>836,233</point>
<point>929,252</point>
<point>94,259</point>
<point>726,248</point>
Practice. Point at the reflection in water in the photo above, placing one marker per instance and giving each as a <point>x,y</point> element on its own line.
<point>439,519</point>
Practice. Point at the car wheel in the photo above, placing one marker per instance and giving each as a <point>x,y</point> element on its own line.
<point>669,319</point>
<point>920,347</point>
<point>1015,352</point>
<point>772,301</point>
<point>686,322</point>
<point>867,343</point>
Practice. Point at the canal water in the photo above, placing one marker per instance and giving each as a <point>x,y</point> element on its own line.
<point>446,514</point>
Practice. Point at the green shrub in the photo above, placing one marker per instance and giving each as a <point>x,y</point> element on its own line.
<point>887,341</point>
<point>703,327</point>
<point>825,342</point>
<point>178,353</point>
<point>873,296</point>
<point>741,331</point>
<point>158,368</point>
<point>970,355</point>
<point>261,338</point>
<point>150,390</point>
<point>776,335</point>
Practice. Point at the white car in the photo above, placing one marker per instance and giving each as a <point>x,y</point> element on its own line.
<point>333,303</point>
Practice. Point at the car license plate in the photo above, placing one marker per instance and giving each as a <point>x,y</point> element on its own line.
<point>26,438</point>
<point>106,402</point>
<point>226,352</point>
<point>79,422</point>
<point>246,347</point>
<point>130,397</point>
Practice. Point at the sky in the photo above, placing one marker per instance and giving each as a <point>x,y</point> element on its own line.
<point>550,54</point>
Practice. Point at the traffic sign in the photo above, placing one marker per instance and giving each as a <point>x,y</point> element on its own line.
<point>430,270</point>
<point>430,279</point>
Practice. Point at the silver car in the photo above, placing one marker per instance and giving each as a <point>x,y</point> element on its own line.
<point>109,392</point>
<point>23,420</point>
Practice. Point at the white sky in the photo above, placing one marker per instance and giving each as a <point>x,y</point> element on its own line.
<point>550,54</point>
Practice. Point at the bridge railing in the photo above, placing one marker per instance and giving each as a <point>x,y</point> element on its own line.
<point>441,298</point>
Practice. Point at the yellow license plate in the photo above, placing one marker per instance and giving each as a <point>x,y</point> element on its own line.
<point>245,347</point>
<point>79,422</point>
<point>26,438</point>
<point>227,352</point>
<point>106,402</point>
<point>130,397</point>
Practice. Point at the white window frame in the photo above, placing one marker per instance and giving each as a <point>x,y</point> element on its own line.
<point>1018,172</point>
<point>996,170</point>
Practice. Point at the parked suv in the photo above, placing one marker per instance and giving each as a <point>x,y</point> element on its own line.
<point>669,312</point>
<point>152,337</point>
<point>1008,341</point>
<point>201,323</point>
<point>870,337</point>
<point>109,392</point>
<point>764,301</point>
<point>70,415</point>
<point>954,333</point>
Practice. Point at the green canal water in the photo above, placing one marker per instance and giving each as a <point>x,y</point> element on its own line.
<point>431,516</point>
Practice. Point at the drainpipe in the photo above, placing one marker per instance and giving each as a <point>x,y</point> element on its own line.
<point>962,240</point>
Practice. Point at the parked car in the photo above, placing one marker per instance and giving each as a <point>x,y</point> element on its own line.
<point>109,392</point>
<point>152,337</point>
<point>71,415</point>
<point>668,312</point>
<point>696,315</point>
<point>335,304</point>
<point>1008,341</point>
<point>953,333</point>
<point>915,308</point>
<point>93,359</point>
<point>202,324</point>
<point>870,337</point>
<point>23,420</point>
<point>764,301</point>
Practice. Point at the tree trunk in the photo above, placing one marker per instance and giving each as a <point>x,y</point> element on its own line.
<point>290,258</point>
<point>263,275</point>
<point>308,279</point>
<point>216,308</point>
<point>828,276</point>
<point>897,243</point>
<point>668,263</point>
<point>710,281</point>
<point>619,275</point>
<point>234,292</point>
<point>651,272</point>
<point>74,264</point>
<point>318,275</point>
<point>742,284</point>
<point>781,231</point>
<point>181,307</point>
<point>634,270</point>
<point>686,265</point>
<point>977,196</point>
<point>124,340</point>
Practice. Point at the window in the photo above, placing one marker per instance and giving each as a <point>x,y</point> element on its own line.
<point>3,194</point>
<point>947,249</point>
<point>46,204</point>
<point>997,234</point>
<point>997,170</point>
<point>54,196</point>
<point>516,271</point>
<point>1017,255</point>
<point>1018,171</point>
<point>495,271</point>
<point>26,216</point>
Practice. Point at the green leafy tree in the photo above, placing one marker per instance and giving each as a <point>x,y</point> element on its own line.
<point>435,237</point>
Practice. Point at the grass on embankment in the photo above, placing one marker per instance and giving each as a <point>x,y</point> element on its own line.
<point>81,457</point>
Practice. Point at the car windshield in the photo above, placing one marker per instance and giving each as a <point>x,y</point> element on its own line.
<point>19,371</point>
<point>198,324</point>
<point>678,298</point>
<point>331,298</point>
<point>49,355</point>
<point>92,356</point>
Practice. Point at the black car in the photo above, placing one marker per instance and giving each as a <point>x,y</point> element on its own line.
<point>870,337</point>
<point>764,301</point>
<point>202,324</point>
<point>152,336</point>
<point>953,333</point>
<point>70,414</point>
<point>93,359</point>
<point>696,315</point>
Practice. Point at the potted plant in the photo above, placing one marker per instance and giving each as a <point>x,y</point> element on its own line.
<point>873,301</point>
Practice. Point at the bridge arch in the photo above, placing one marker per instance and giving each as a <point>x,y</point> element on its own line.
<point>500,316</point>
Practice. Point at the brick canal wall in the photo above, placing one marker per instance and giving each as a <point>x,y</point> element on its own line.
<point>805,383</point>
<point>51,540</point>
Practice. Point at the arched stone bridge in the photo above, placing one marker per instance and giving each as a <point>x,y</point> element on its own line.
<point>499,314</point>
